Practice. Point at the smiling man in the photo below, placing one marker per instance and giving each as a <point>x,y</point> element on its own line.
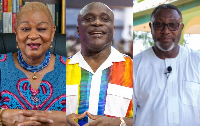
<point>166,76</point>
<point>99,78</point>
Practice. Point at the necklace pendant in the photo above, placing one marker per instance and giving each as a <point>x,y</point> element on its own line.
<point>34,77</point>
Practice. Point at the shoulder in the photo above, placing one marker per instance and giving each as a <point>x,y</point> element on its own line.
<point>195,54</point>
<point>190,53</point>
<point>137,58</point>
<point>76,58</point>
<point>3,57</point>
<point>143,58</point>
<point>70,57</point>
<point>61,59</point>
<point>127,57</point>
<point>6,58</point>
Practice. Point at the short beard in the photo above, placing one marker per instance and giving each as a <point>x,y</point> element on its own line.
<point>157,43</point>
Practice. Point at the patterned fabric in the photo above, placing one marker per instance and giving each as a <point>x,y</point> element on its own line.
<point>120,73</point>
<point>3,57</point>
<point>33,68</point>
<point>17,93</point>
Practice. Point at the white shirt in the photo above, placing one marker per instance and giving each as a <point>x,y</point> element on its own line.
<point>162,101</point>
<point>110,107</point>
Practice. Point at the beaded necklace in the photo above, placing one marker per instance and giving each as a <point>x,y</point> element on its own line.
<point>33,69</point>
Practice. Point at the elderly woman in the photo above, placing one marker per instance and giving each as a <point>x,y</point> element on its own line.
<point>33,80</point>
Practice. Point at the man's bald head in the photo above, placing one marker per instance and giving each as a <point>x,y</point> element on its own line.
<point>89,6</point>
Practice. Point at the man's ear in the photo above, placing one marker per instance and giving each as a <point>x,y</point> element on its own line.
<point>113,30</point>
<point>182,26</point>
<point>150,26</point>
<point>77,29</point>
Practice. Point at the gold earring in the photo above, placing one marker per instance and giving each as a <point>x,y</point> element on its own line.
<point>51,46</point>
<point>17,46</point>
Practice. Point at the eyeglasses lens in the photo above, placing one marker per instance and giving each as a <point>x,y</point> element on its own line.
<point>161,26</point>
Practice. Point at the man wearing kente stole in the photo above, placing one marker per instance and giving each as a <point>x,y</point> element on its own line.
<point>99,78</point>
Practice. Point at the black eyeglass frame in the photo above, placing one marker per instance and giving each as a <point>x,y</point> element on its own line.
<point>164,24</point>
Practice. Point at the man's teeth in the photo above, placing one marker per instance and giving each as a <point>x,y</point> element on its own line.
<point>96,32</point>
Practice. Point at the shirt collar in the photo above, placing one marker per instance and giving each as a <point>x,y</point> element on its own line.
<point>115,56</point>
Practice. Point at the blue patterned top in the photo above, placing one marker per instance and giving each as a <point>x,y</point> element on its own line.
<point>17,93</point>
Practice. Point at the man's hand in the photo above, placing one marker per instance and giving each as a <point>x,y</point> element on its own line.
<point>102,120</point>
<point>71,119</point>
<point>99,120</point>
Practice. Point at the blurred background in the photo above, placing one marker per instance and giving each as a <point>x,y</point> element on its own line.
<point>123,12</point>
<point>142,10</point>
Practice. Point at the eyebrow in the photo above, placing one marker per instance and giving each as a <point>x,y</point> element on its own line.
<point>170,19</point>
<point>41,22</point>
<point>105,14</point>
<point>90,13</point>
<point>84,15</point>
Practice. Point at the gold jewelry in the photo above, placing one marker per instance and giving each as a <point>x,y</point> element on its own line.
<point>17,47</point>
<point>34,77</point>
<point>51,47</point>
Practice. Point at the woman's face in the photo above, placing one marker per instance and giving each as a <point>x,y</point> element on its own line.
<point>34,34</point>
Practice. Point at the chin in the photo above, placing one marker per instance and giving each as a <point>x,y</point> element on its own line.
<point>164,49</point>
<point>97,48</point>
<point>98,44</point>
<point>35,54</point>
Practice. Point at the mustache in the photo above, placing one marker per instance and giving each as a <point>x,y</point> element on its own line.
<point>96,30</point>
<point>165,36</point>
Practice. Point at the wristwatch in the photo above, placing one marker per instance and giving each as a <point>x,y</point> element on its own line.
<point>122,122</point>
